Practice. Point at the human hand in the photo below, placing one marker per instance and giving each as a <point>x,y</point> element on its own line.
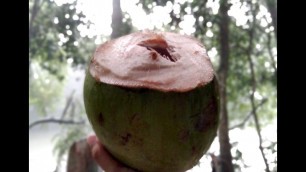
<point>103,158</point>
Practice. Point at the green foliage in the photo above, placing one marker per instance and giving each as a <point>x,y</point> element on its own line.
<point>54,35</point>
<point>40,81</point>
<point>147,3</point>
<point>268,111</point>
<point>56,43</point>
<point>54,38</point>
<point>127,23</point>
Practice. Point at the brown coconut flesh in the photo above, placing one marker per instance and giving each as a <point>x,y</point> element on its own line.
<point>162,61</point>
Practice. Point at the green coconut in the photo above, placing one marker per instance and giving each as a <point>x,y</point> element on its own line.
<point>152,99</point>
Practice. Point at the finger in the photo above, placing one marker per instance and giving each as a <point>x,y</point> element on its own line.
<point>100,155</point>
<point>103,158</point>
<point>91,140</point>
<point>110,163</point>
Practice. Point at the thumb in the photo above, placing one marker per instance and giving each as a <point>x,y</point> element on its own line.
<point>92,140</point>
<point>101,156</point>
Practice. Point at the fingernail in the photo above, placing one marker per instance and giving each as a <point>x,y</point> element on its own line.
<point>91,140</point>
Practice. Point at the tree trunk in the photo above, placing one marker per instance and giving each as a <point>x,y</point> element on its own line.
<point>34,12</point>
<point>79,158</point>
<point>117,24</point>
<point>225,146</point>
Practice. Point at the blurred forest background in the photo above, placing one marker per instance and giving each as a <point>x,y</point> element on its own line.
<point>241,39</point>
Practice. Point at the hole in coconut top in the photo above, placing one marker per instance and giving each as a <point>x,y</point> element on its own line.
<point>160,46</point>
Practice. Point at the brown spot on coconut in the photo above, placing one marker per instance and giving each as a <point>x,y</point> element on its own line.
<point>153,85</point>
<point>100,118</point>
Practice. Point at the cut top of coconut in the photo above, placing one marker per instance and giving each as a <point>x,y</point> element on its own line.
<point>161,61</point>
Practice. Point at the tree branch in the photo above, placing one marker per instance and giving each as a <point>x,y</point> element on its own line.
<point>53,120</point>
<point>269,49</point>
<point>61,119</point>
<point>248,116</point>
<point>253,84</point>
<point>68,103</point>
